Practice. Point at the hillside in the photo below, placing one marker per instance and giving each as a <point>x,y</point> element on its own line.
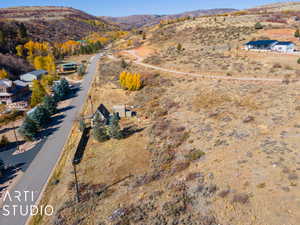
<point>137,21</point>
<point>215,140</point>
<point>280,6</point>
<point>52,24</point>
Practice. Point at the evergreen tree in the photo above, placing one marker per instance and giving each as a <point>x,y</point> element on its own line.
<point>100,133</point>
<point>38,93</point>
<point>28,129</point>
<point>2,37</point>
<point>179,47</point>
<point>50,104</point>
<point>82,124</point>
<point>124,64</point>
<point>22,31</point>
<point>40,116</point>
<point>114,127</point>
<point>62,89</point>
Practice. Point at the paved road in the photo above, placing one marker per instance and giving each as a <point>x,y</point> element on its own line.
<point>139,60</point>
<point>39,170</point>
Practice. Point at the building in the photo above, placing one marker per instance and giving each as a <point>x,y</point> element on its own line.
<point>101,115</point>
<point>284,46</point>
<point>271,45</point>
<point>33,75</point>
<point>122,111</point>
<point>13,91</point>
<point>68,67</point>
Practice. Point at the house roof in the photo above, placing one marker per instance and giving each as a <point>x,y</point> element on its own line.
<point>69,64</point>
<point>37,73</point>
<point>285,43</point>
<point>262,42</point>
<point>103,110</point>
<point>20,83</point>
<point>6,83</point>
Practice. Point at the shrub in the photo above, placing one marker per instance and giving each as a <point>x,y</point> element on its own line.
<point>194,155</point>
<point>298,61</point>
<point>4,141</point>
<point>258,26</point>
<point>297,33</point>
<point>179,47</point>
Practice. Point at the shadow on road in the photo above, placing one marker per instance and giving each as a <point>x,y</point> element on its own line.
<point>67,108</point>
<point>11,145</point>
<point>10,173</point>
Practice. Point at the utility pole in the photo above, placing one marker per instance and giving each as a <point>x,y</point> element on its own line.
<point>76,183</point>
<point>15,134</point>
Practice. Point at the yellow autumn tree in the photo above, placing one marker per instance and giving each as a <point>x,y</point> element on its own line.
<point>49,62</point>
<point>130,81</point>
<point>3,74</point>
<point>38,93</point>
<point>20,50</point>
<point>38,63</point>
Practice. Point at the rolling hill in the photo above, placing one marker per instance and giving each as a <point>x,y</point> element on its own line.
<point>137,21</point>
<point>52,24</point>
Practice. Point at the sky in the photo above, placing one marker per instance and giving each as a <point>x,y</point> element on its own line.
<point>133,7</point>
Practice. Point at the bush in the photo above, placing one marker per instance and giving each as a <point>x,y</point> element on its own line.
<point>194,155</point>
<point>4,141</point>
<point>298,61</point>
<point>179,47</point>
<point>297,33</point>
<point>258,26</point>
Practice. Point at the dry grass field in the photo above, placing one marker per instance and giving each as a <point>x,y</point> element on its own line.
<point>207,151</point>
<point>210,152</point>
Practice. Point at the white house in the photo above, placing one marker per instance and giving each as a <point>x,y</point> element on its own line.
<point>271,45</point>
<point>285,47</point>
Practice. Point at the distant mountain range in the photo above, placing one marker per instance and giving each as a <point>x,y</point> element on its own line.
<point>138,21</point>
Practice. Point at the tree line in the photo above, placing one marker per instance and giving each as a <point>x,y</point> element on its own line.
<point>41,114</point>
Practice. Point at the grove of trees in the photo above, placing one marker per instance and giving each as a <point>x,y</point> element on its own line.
<point>130,81</point>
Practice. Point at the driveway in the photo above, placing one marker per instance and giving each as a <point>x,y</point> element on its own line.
<point>43,159</point>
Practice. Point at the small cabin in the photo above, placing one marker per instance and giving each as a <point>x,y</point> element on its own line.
<point>102,115</point>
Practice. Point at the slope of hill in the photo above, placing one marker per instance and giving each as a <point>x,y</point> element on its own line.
<point>280,6</point>
<point>136,21</point>
<point>52,24</point>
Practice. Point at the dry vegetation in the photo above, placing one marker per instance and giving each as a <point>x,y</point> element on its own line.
<point>204,152</point>
<point>207,152</point>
